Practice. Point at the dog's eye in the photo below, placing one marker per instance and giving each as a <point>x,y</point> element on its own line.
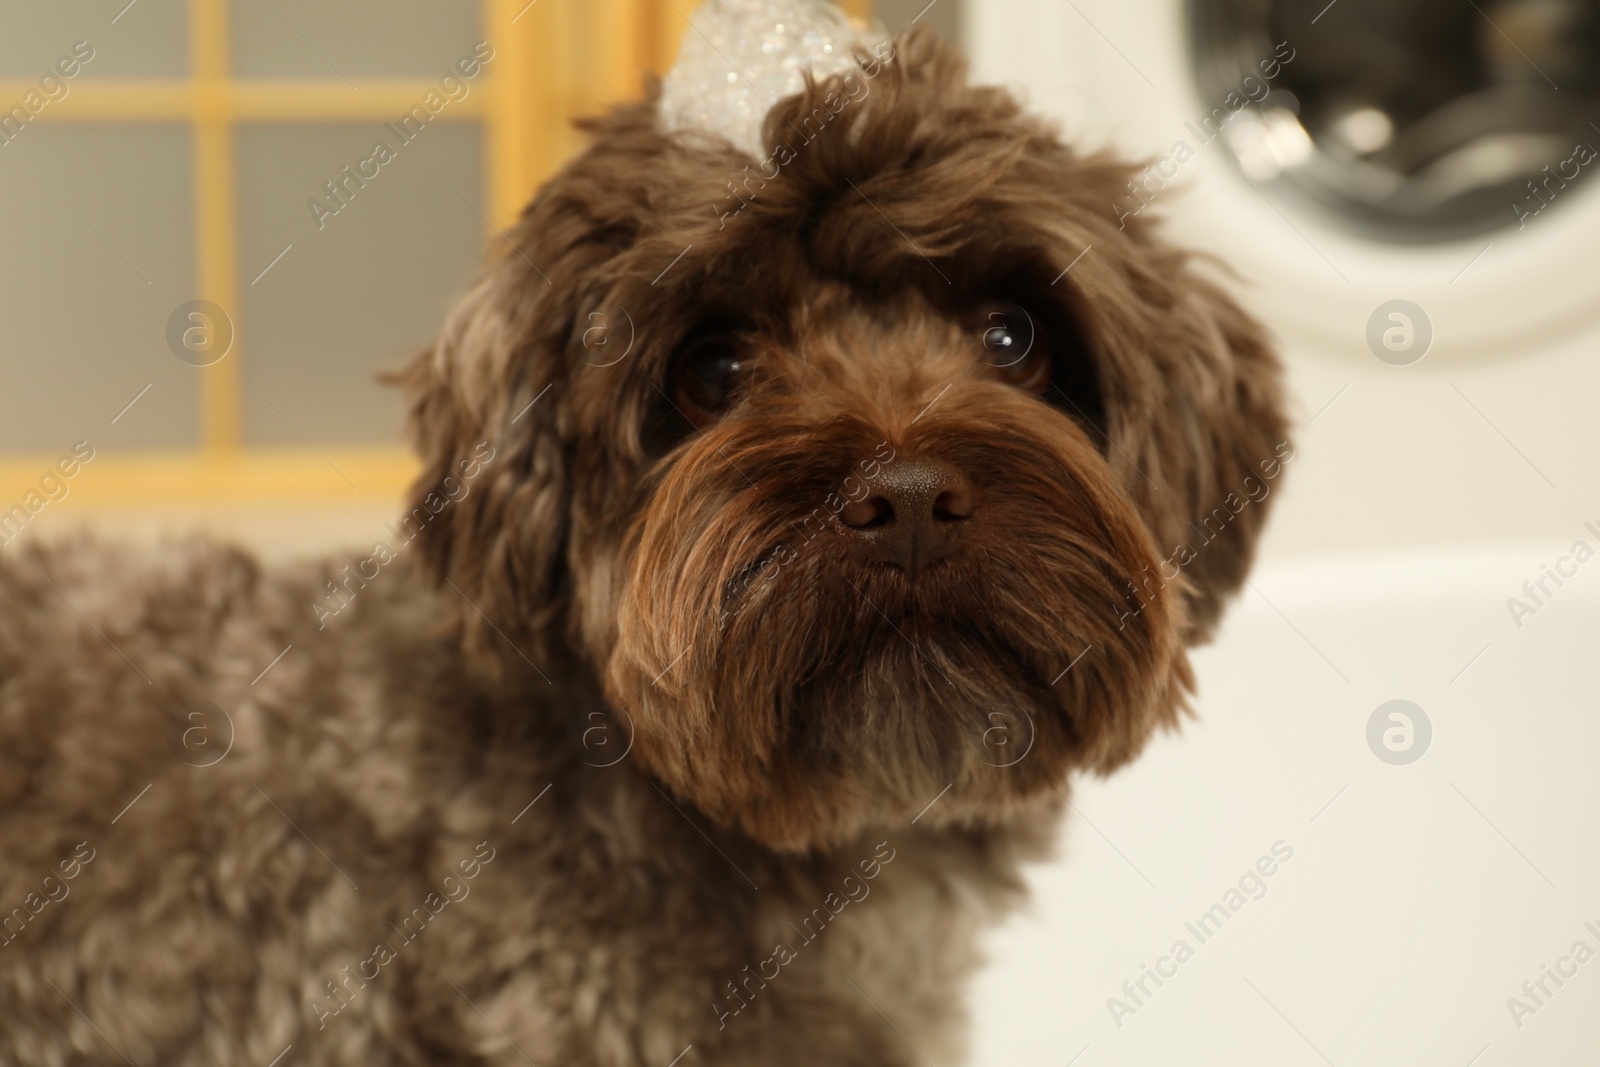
<point>1014,345</point>
<point>706,376</point>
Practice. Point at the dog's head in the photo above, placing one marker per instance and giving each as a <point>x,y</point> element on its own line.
<point>890,460</point>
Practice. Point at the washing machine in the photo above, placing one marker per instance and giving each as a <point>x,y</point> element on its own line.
<point>1406,193</point>
<point>1420,171</point>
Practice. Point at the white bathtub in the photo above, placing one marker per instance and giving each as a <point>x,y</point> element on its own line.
<point>1418,898</point>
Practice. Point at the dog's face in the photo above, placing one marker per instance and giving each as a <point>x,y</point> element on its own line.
<point>845,486</point>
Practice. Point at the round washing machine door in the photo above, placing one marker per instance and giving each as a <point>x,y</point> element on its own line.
<point>1416,121</point>
<point>1348,155</point>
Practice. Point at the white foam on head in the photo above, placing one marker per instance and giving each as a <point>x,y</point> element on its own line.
<point>742,56</point>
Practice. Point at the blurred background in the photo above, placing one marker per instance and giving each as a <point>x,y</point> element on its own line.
<point>206,263</point>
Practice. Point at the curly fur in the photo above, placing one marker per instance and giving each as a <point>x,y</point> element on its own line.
<point>800,741</point>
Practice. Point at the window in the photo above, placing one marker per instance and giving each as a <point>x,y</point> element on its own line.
<point>156,153</point>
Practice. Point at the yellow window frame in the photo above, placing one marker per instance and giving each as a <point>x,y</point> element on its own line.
<point>555,59</point>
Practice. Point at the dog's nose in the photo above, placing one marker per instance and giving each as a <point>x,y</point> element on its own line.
<point>913,512</point>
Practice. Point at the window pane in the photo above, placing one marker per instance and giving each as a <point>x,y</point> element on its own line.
<point>945,16</point>
<point>98,254</point>
<point>359,290</point>
<point>147,40</point>
<point>352,39</point>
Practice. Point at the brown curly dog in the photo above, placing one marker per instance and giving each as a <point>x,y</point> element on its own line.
<point>783,544</point>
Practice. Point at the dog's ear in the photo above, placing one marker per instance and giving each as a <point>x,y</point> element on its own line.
<point>488,513</point>
<point>501,382</point>
<point>1248,428</point>
<point>1203,419</point>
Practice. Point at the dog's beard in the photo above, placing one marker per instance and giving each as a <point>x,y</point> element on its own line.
<point>786,686</point>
